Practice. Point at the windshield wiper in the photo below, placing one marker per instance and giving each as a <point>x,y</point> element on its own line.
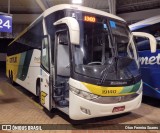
<point>105,71</point>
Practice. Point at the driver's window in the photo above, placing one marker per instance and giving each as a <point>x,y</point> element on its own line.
<point>45,54</point>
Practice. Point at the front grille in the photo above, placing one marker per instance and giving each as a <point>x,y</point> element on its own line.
<point>116,99</point>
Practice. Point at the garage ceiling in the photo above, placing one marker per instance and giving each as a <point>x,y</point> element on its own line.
<point>123,6</point>
<point>20,6</point>
<point>31,6</point>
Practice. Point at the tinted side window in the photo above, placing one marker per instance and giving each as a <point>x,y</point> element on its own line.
<point>29,40</point>
<point>142,43</point>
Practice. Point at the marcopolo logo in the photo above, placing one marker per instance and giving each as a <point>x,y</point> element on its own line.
<point>152,60</point>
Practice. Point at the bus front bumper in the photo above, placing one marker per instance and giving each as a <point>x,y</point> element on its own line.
<point>80,108</point>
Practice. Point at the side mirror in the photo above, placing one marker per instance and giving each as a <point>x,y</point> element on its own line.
<point>152,40</point>
<point>73,27</point>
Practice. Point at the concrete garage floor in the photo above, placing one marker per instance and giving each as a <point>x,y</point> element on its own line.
<point>18,106</point>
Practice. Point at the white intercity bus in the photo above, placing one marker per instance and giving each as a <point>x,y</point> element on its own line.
<point>79,60</point>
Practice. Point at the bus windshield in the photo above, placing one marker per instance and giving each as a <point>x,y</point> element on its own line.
<point>106,51</point>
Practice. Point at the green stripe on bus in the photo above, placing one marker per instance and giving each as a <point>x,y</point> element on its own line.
<point>130,89</point>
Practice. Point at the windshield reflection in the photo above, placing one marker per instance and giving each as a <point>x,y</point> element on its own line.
<point>106,54</point>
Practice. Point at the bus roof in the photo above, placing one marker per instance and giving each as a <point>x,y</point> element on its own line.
<point>68,6</point>
<point>145,23</point>
<point>81,8</point>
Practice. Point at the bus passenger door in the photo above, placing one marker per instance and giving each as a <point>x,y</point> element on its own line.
<point>45,84</point>
<point>62,67</point>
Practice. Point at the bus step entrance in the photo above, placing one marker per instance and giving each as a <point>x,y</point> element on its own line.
<point>63,103</point>
<point>61,95</point>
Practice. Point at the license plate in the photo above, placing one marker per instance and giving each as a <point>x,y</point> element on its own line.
<point>118,109</point>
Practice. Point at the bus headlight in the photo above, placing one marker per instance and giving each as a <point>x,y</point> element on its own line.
<point>83,94</point>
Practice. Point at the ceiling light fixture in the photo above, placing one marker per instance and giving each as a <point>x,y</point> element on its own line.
<point>77,1</point>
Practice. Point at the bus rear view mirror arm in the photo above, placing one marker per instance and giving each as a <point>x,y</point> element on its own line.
<point>152,40</point>
<point>73,27</point>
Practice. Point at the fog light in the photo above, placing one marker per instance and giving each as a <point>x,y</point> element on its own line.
<point>86,111</point>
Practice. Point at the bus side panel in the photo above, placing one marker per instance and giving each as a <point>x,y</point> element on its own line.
<point>25,68</point>
<point>29,70</point>
<point>150,70</point>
